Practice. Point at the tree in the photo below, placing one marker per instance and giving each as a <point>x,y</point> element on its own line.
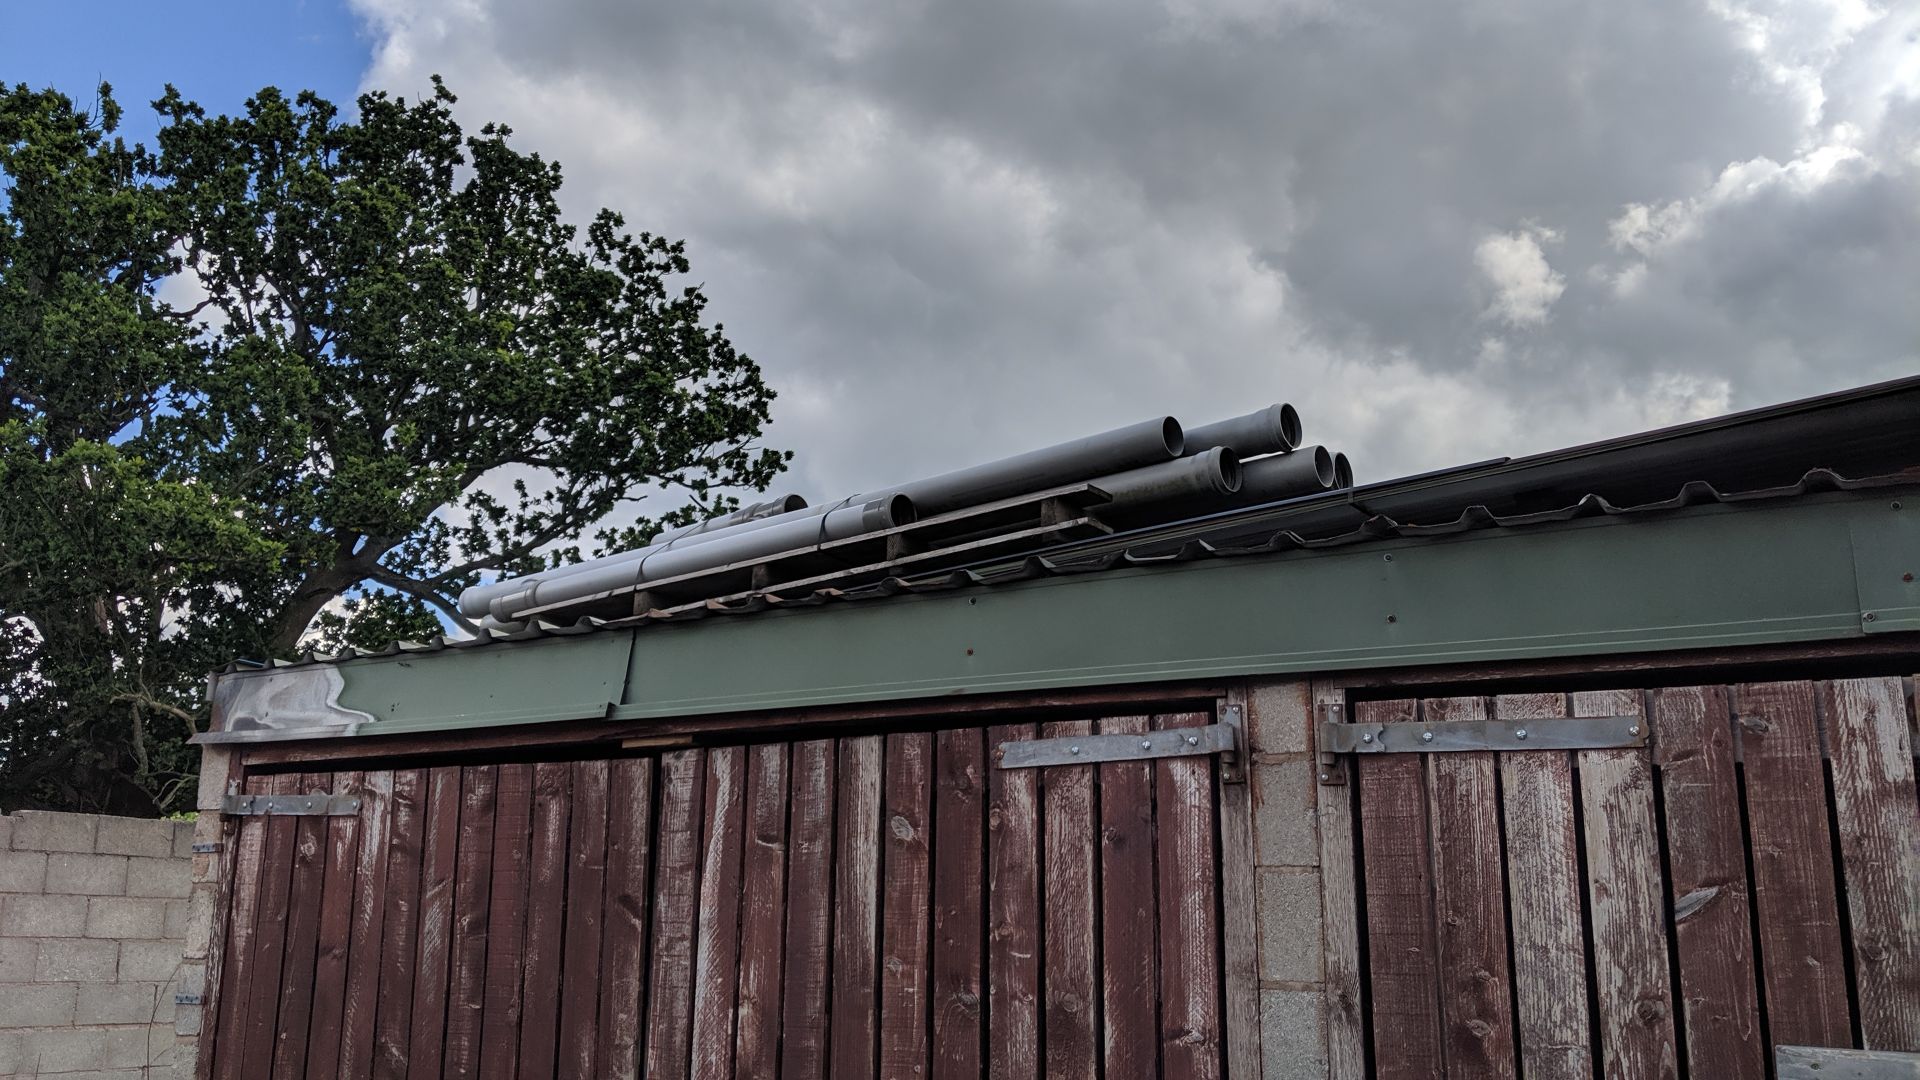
<point>289,373</point>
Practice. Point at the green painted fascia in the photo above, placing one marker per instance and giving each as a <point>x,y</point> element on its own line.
<point>1707,577</point>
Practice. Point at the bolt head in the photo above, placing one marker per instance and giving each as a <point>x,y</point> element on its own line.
<point>1633,729</point>
<point>1386,558</point>
<point>1323,777</point>
<point>1145,745</point>
<point>1193,740</point>
<point>1520,733</point>
<point>1870,616</point>
<point>1426,736</point>
<point>1073,749</point>
<point>1368,737</point>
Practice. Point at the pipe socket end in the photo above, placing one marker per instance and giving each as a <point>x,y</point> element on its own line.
<point>1174,436</point>
<point>1286,425</point>
<point>1224,470</point>
<point>1342,472</point>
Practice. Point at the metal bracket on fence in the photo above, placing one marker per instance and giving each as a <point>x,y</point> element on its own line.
<point>1825,1063</point>
<point>290,805</point>
<point>1086,749</point>
<point>1233,767</point>
<point>1573,733</point>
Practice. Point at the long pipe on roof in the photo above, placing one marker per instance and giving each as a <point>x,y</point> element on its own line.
<point>1211,473</point>
<point>1284,476</point>
<point>1148,442</point>
<point>1272,430</point>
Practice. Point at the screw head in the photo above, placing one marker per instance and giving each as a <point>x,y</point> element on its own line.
<point>1426,736</point>
<point>1520,733</point>
<point>1869,616</point>
<point>1896,504</point>
<point>1073,749</point>
<point>1386,558</point>
<point>1145,744</point>
<point>1323,777</point>
<point>1193,740</point>
<point>1368,737</point>
<point>1633,729</point>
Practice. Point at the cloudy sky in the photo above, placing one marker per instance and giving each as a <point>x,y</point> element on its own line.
<point>1444,231</point>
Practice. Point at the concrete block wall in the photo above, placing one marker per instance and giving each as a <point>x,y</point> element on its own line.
<point>93,918</point>
<point>1286,843</point>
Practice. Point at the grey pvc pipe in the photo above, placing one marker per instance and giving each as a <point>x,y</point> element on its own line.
<point>1134,446</point>
<point>661,561</point>
<point>1272,430</point>
<point>1211,473</point>
<point>774,507</point>
<point>1284,476</point>
<point>1342,472</point>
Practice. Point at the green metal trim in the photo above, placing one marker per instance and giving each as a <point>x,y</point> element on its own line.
<point>1708,577</point>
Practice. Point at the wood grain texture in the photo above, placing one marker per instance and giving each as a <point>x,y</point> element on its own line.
<point>716,965</point>
<point>235,993</point>
<point>809,916</point>
<point>1470,903</point>
<point>763,914</point>
<point>1707,870</point>
<point>959,913</point>
<point>358,1009</point>
<point>472,893</point>
<point>433,959</point>
<point>509,876</point>
<point>1794,896</point>
<point>270,939</point>
<point>585,916</point>
<point>1013,913</point>
<point>1397,854</point>
<point>675,898</point>
<point>1191,1045</point>
<point>546,921</point>
<point>856,913</point>
<point>1340,912</point>
<point>1070,969</point>
<point>334,936</point>
<point>1239,902</point>
<point>904,906</point>
<point>1625,895</point>
<point>1869,737</point>
<point>291,1050</point>
<point>624,942</point>
<point>1129,947</point>
<point>1549,949</point>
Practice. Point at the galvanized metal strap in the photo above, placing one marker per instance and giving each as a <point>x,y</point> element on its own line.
<point>1573,733</point>
<point>1083,749</point>
<point>320,805</point>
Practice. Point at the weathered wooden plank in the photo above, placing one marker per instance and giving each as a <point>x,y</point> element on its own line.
<point>716,969</point>
<point>433,964</point>
<point>1191,1047</point>
<point>235,992</point>
<point>1401,951</point>
<point>959,912</point>
<point>1070,970</point>
<point>763,877</point>
<point>297,971</point>
<point>1013,914</point>
<point>1707,866</point>
<point>1470,903</point>
<point>675,914</point>
<point>1239,902</point>
<point>400,925</point>
<point>270,940</point>
<point>1543,876</point>
<point>472,892</point>
<point>1801,965</point>
<point>1339,907</point>
<point>1129,948</point>
<point>334,937</point>
<point>586,896</point>
<point>1624,895</point>
<point>856,924</point>
<point>809,944</point>
<point>904,906</point>
<point>546,921</point>
<point>358,1009</point>
<point>623,983</point>
<point>1821,1063</point>
<point>509,876</point>
<point>1874,804</point>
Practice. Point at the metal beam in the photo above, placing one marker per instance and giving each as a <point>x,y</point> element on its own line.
<point>320,805</point>
<point>1583,733</point>
<point>1086,749</point>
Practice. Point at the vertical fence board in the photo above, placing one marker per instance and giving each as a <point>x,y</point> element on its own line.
<point>716,965</point>
<point>624,945</point>
<point>1470,903</point>
<point>1190,1012</point>
<point>1013,913</point>
<point>235,990</point>
<point>856,911</point>
<point>1339,906</point>
<point>1624,884</point>
<point>1793,888</point>
<point>358,1010</point>
<point>959,853</point>
<point>1397,856</point>
<point>335,930</point>
<point>509,875</point>
<point>1129,947</point>
<point>472,878</point>
<point>270,939</point>
<point>433,961</point>
<point>400,925</point>
<point>1550,976</point>
<point>1874,803</point>
<point>1713,930</point>
<point>764,899</point>
<point>290,1047</point>
<point>586,897</point>
<point>904,907</point>
<point>809,944</point>
<point>1069,970</point>
<point>546,913</point>
<point>676,889</point>
<point>1239,901</point>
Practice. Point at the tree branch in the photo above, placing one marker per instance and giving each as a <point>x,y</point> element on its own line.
<point>424,591</point>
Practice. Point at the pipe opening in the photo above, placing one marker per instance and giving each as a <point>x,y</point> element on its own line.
<point>1290,430</point>
<point>1230,472</point>
<point>1342,472</point>
<point>791,502</point>
<point>1174,436</point>
<point>1323,469</point>
<point>900,510</point>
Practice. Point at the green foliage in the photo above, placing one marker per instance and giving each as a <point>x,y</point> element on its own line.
<point>290,379</point>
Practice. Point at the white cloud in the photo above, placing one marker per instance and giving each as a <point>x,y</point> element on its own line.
<point>1524,285</point>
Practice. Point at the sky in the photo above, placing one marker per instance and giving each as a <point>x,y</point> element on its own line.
<point>951,231</point>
